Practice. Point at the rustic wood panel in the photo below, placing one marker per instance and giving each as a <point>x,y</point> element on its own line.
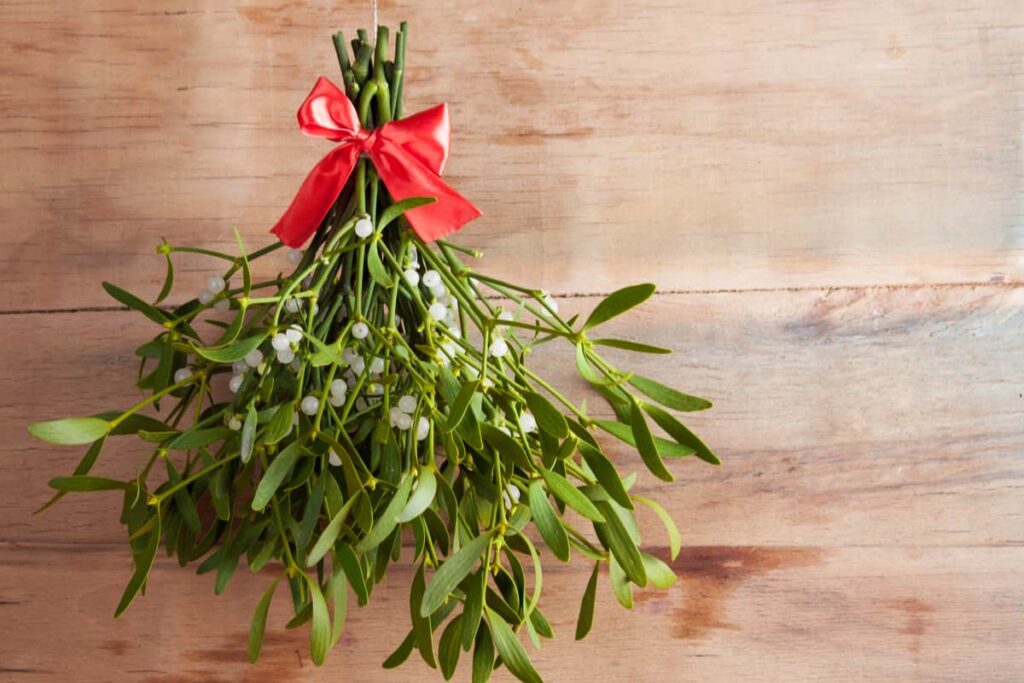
<point>720,145</point>
<point>775,613</point>
<point>845,417</point>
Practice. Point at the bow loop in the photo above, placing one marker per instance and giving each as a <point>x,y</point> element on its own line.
<point>409,155</point>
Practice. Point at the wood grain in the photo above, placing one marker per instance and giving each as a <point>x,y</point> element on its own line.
<point>729,145</point>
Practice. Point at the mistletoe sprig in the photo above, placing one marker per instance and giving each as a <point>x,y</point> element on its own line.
<point>380,392</point>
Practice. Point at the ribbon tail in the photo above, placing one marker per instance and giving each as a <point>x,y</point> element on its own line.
<point>318,192</point>
<point>405,176</point>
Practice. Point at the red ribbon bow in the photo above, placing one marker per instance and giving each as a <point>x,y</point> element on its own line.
<point>409,155</point>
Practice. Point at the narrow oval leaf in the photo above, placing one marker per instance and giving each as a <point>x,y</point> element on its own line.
<point>624,433</point>
<point>659,573</point>
<point>330,533</point>
<point>458,407</point>
<point>248,434</point>
<point>621,587</point>
<point>279,468</point>
<point>448,649</point>
<point>667,396</point>
<point>236,350</point>
<point>483,655</point>
<point>388,520</point>
<point>280,425</point>
<point>398,208</point>
<point>627,345</point>
<point>645,443</point>
<point>70,431</point>
<point>586,617</point>
<point>681,434</point>
<point>570,495</point>
<point>675,542</point>
<point>196,438</point>
<point>144,562</point>
<point>87,483</point>
<point>549,418</point>
<point>620,543</point>
<point>259,623</point>
<point>134,302</point>
<point>452,571</point>
<point>551,529</point>
<point>320,633</point>
<point>422,496</point>
<point>169,278</point>
<point>583,367</point>
<point>473,607</point>
<point>513,655</point>
<point>376,267</point>
<point>618,302</point>
<point>606,474</point>
<point>401,653</point>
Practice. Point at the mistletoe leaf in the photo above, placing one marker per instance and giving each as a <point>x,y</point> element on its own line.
<point>259,622</point>
<point>452,571</point>
<point>668,397</point>
<point>398,208</point>
<point>511,650</point>
<point>586,617</point>
<point>70,431</point>
<point>617,303</point>
<point>236,350</point>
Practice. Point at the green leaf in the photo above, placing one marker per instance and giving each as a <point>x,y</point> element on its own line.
<point>422,496</point>
<point>452,571</point>
<point>279,468</point>
<point>376,267</point>
<point>388,520</point>
<point>280,424</point>
<point>84,467</point>
<point>398,208</point>
<point>87,483</point>
<point>183,500</point>
<point>320,633</point>
<point>248,434</point>
<point>624,433</point>
<point>606,474</point>
<point>169,278</point>
<point>448,649</point>
<point>70,431</point>
<point>627,345</point>
<point>421,629</point>
<point>549,418</point>
<point>483,655</point>
<point>586,618</point>
<point>330,533</point>
<point>458,408</point>
<point>133,423</point>
<point>570,495</point>
<point>621,587</point>
<point>583,366</point>
<point>507,447</point>
<point>681,434</point>
<point>198,438</point>
<point>645,443</point>
<point>346,557</point>
<point>473,607</point>
<point>144,562</point>
<point>134,302</point>
<point>675,543</point>
<point>668,397</point>
<point>259,623</point>
<point>619,541</point>
<point>547,522</point>
<point>236,350</point>
<point>401,653</point>
<point>511,650</point>
<point>617,303</point>
<point>659,573</point>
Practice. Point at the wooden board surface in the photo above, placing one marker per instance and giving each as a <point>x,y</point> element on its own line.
<point>708,145</point>
<point>830,197</point>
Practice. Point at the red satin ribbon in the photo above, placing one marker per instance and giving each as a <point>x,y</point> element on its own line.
<point>409,155</point>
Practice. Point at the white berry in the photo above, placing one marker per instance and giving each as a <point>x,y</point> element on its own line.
<point>294,255</point>
<point>514,492</point>
<point>182,374</point>
<point>358,365</point>
<point>333,458</point>
<point>431,278</point>
<point>412,277</point>
<point>285,356</point>
<point>404,422</point>
<point>239,366</point>
<point>437,311</point>
<point>235,383</point>
<point>310,405</point>
<point>422,428</point>
<point>280,341</point>
<point>254,358</point>
<point>376,366</point>
<point>206,296</point>
<point>364,228</point>
<point>292,305</point>
<point>498,348</point>
<point>234,423</point>
<point>216,284</point>
<point>336,400</point>
<point>527,422</point>
<point>338,386</point>
<point>360,330</point>
<point>222,305</point>
<point>394,414</point>
<point>407,404</point>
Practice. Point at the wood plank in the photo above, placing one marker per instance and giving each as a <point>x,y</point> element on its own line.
<point>786,613</point>
<point>845,417</point>
<point>745,144</point>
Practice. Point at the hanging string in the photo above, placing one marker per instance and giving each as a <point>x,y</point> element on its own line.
<point>373,14</point>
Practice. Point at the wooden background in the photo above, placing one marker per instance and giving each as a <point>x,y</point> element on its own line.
<point>830,196</point>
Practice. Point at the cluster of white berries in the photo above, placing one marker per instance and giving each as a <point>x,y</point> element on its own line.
<point>400,416</point>
<point>510,496</point>
<point>283,342</point>
<point>214,286</point>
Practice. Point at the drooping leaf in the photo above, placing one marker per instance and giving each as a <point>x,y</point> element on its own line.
<point>279,468</point>
<point>452,571</point>
<point>513,655</point>
<point>483,655</point>
<point>320,633</point>
<point>627,345</point>
<point>457,409</point>
<point>135,303</point>
<point>617,303</point>
<point>422,496</point>
<point>259,623</point>
<point>248,434</point>
<point>70,431</point>
<point>621,586</point>
<point>549,418</point>
<point>547,522</point>
<point>620,542</point>
<point>280,424</point>
<point>398,208</point>
<point>645,443</point>
<point>401,653</point>
<point>236,350</point>
<point>659,573</point>
<point>388,520</point>
<point>473,607</point>
<point>675,542</point>
<point>586,617</point>
<point>570,495</point>
<point>448,650</point>
<point>143,563</point>
<point>681,434</point>
<point>624,433</point>
<point>668,397</point>
<point>330,533</point>
<point>87,483</point>
<point>376,267</point>
<point>169,277</point>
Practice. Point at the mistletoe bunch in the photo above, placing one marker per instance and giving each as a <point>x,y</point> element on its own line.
<point>376,401</point>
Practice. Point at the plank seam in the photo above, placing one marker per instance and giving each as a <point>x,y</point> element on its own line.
<point>1009,285</point>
